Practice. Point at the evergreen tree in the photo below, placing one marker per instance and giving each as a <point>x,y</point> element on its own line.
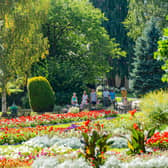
<point>147,73</point>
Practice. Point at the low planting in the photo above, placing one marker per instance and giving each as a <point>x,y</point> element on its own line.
<point>159,140</point>
<point>61,145</point>
<point>51,119</point>
<point>155,107</point>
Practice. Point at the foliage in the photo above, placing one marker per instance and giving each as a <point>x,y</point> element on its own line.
<point>116,12</point>
<point>95,144</point>
<point>48,119</point>
<point>162,53</point>
<point>41,96</point>
<point>45,162</point>
<point>78,163</point>
<point>155,107</point>
<point>73,110</point>
<point>159,162</point>
<point>79,48</point>
<point>146,74</point>
<point>21,39</point>
<point>140,12</point>
<point>137,143</point>
<point>118,142</point>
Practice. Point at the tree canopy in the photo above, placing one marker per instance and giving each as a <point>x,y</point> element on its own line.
<point>116,12</point>
<point>80,48</point>
<point>162,53</point>
<point>147,73</point>
<point>22,42</point>
<point>141,11</point>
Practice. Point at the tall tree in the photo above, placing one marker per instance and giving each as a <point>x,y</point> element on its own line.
<point>79,46</point>
<point>22,42</point>
<point>162,53</point>
<point>141,11</point>
<point>147,73</point>
<point>116,12</point>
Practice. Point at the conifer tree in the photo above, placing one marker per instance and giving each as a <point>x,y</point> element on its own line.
<point>147,73</point>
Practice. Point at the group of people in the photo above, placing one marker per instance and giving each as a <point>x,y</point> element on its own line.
<point>108,96</point>
<point>85,99</point>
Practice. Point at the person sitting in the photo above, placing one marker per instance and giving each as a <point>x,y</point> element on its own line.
<point>125,101</point>
<point>123,93</point>
<point>84,102</point>
<point>74,100</point>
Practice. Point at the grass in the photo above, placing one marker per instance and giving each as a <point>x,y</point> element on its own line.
<point>118,149</point>
<point>129,95</point>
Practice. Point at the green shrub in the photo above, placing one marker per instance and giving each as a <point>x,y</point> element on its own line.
<point>41,95</point>
<point>74,110</point>
<point>155,106</point>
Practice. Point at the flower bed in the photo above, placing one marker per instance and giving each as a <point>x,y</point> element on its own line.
<point>159,140</point>
<point>15,136</point>
<point>47,119</point>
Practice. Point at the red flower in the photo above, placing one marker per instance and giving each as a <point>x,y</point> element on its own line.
<point>132,112</point>
<point>87,122</point>
<point>135,126</point>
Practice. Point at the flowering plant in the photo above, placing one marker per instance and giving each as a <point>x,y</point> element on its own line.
<point>159,140</point>
<point>47,119</point>
<point>95,143</point>
<point>137,143</point>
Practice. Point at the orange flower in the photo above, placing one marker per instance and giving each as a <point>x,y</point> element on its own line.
<point>135,126</point>
<point>132,112</point>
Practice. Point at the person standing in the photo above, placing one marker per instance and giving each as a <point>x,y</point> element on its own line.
<point>74,100</point>
<point>106,97</point>
<point>85,99</point>
<point>112,97</point>
<point>93,98</point>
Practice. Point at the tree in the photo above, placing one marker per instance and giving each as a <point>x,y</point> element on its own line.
<point>116,12</point>
<point>22,42</point>
<point>79,47</point>
<point>146,74</point>
<point>141,11</point>
<point>162,53</point>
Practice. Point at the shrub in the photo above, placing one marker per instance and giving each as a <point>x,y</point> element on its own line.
<point>159,162</point>
<point>41,96</point>
<point>48,162</point>
<point>57,109</point>
<point>155,106</point>
<point>78,163</point>
<point>74,110</point>
<point>159,140</point>
<point>118,142</point>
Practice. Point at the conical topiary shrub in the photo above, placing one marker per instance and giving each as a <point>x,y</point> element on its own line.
<point>41,95</point>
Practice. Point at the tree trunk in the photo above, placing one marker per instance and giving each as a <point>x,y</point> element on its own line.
<point>4,107</point>
<point>122,82</point>
<point>111,82</point>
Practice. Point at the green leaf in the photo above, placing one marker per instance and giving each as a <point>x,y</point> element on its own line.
<point>151,132</point>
